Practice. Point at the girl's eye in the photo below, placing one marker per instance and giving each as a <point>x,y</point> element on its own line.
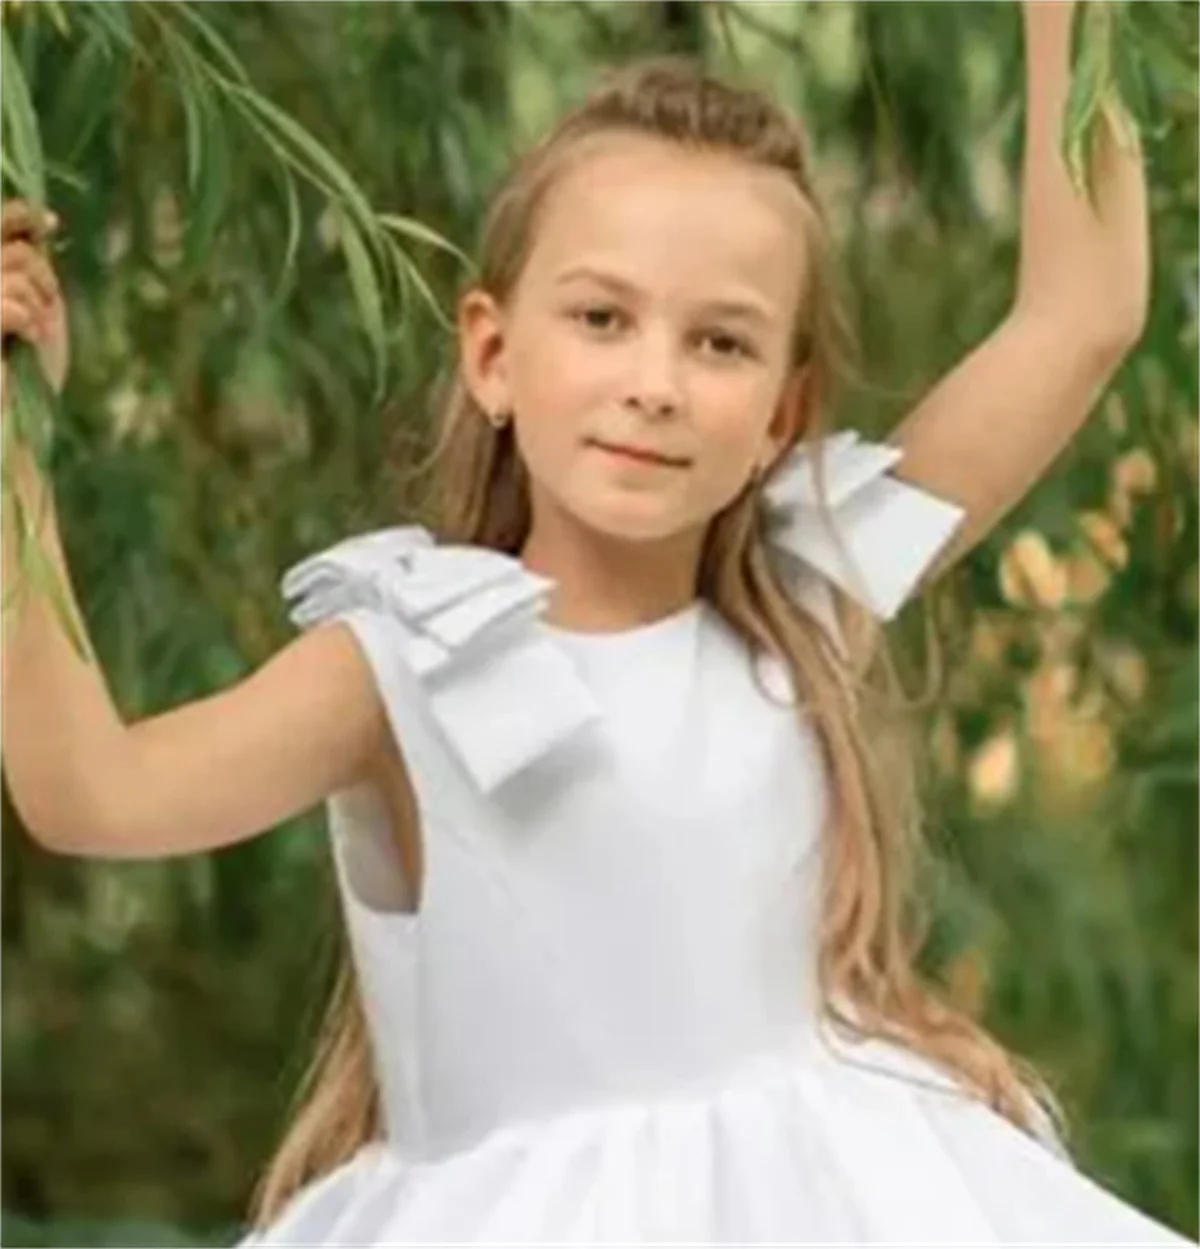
<point>607,318</point>
<point>598,317</point>
<point>726,346</point>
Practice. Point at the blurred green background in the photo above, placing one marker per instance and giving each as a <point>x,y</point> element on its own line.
<point>221,421</point>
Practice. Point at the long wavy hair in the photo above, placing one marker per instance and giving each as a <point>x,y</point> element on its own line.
<point>873,919</point>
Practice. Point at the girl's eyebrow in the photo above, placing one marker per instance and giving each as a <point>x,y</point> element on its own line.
<point>747,309</point>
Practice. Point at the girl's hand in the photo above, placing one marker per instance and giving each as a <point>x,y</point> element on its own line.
<point>31,302</point>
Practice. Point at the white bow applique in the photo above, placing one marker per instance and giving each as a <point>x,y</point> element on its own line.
<point>460,619</point>
<point>877,535</point>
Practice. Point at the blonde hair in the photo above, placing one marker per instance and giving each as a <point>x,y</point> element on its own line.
<point>871,926</point>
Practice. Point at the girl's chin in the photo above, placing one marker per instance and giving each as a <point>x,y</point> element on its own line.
<point>632,520</point>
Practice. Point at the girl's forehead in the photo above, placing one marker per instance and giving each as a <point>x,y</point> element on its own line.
<point>672,217</point>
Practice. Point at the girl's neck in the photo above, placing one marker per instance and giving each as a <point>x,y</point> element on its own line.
<point>605,584</point>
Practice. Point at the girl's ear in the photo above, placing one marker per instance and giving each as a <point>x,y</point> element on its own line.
<point>481,341</point>
<point>794,410</point>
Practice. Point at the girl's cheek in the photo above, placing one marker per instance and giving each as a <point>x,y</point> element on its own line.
<point>731,451</point>
<point>586,369</point>
<point>555,366</point>
<point>737,422</point>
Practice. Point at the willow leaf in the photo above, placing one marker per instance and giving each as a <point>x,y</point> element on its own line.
<point>1090,82</point>
<point>1130,73</point>
<point>291,200</point>
<point>112,21</point>
<point>298,150</point>
<point>191,88</point>
<point>1168,35</point>
<point>32,401</point>
<point>31,423</point>
<point>14,514</point>
<point>357,227</point>
<point>84,94</point>
<point>18,125</point>
<point>310,156</point>
<point>412,274</point>
<point>11,172</point>
<point>56,11</point>
<point>57,172</point>
<point>289,162</point>
<point>409,227</point>
<point>366,291</point>
<point>209,175</point>
<point>186,13</point>
<point>45,577</point>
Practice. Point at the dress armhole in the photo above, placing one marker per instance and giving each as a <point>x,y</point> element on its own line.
<point>364,844</point>
<point>364,839</point>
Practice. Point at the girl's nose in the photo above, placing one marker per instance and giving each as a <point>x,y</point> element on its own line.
<point>655,388</point>
<point>654,406</point>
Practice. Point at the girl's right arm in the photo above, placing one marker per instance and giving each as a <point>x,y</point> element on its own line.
<point>208,774</point>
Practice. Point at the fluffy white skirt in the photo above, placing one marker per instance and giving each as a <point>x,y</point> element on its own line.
<point>804,1150</point>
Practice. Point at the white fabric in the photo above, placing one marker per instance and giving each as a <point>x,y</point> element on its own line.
<point>829,507</point>
<point>446,606</point>
<point>602,1024</point>
<point>875,535</point>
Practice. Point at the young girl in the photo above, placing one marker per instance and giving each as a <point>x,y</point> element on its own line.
<point>620,865</point>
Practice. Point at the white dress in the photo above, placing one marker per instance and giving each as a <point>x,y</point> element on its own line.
<point>601,1026</point>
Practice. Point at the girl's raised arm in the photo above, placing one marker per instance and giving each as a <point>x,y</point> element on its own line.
<point>989,430</point>
<point>208,774</point>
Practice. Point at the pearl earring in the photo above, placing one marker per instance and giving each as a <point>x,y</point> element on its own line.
<point>498,420</point>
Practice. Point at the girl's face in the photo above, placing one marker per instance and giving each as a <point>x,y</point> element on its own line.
<point>645,353</point>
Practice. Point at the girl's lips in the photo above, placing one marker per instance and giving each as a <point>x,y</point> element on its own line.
<point>636,453</point>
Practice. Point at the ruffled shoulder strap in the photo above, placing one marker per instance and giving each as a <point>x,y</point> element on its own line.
<point>462,619</point>
<point>875,538</point>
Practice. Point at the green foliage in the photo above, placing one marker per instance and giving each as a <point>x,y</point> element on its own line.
<point>126,1233</point>
<point>212,87</point>
<point>266,209</point>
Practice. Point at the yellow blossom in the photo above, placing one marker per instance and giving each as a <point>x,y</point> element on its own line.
<point>995,770</point>
<point>1031,575</point>
<point>1104,538</point>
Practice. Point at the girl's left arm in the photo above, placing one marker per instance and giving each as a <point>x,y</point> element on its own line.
<point>993,425</point>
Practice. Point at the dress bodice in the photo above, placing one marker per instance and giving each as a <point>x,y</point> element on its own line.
<point>629,912</point>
